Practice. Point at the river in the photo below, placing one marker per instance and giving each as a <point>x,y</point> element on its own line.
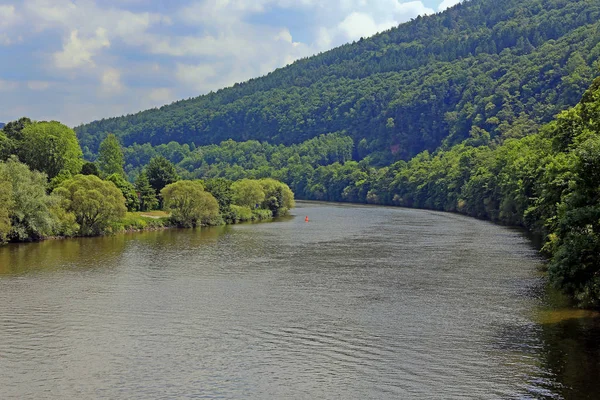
<point>360,302</point>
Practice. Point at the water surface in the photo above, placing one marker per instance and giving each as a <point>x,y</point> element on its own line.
<point>360,302</point>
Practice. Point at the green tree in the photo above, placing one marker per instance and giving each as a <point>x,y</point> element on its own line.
<point>14,129</point>
<point>221,190</point>
<point>189,204</point>
<point>147,195</point>
<point>95,203</point>
<point>247,193</point>
<point>6,203</point>
<point>30,214</point>
<point>127,189</point>
<point>110,156</point>
<point>161,172</point>
<point>278,196</point>
<point>7,146</point>
<point>50,147</point>
<point>90,168</point>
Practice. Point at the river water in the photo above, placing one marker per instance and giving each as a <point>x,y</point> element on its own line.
<point>360,302</point>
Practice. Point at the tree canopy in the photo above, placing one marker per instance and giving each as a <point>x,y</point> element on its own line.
<point>189,204</point>
<point>95,203</point>
<point>161,172</point>
<point>110,156</point>
<point>50,147</point>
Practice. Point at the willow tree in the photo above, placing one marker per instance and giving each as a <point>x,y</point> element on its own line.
<point>30,205</point>
<point>6,204</point>
<point>247,193</point>
<point>189,204</point>
<point>95,203</point>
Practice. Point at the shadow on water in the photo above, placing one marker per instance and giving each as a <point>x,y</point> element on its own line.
<point>558,349</point>
<point>97,252</point>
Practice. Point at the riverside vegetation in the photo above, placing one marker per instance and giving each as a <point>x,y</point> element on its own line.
<point>455,111</point>
<point>47,189</point>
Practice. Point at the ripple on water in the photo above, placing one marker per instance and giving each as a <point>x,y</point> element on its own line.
<point>362,302</point>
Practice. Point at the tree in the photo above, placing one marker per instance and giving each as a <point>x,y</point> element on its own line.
<point>247,193</point>
<point>127,189</point>
<point>221,189</point>
<point>147,195</point>
<point>13,129</point>
<point>7,146</point>
<point>110,156</point>
<point>278,196</point>
<point>30,215</point>
<point>161,173</point>
<point>90,168</point>
<point>189,204</point>
<point>95,203</point>
<point>6,204</point>
<point>50,147</point>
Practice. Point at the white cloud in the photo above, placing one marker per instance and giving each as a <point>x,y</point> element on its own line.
<point>197,76</point>
<point>111,81</point>
<point>7,15</point>
<point>447,4</point>
<point>78,52</point>
<point>357,25</point>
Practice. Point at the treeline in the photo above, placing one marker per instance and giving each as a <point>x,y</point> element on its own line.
<point>547,182</point>
<point>47,189</point>
<point>504,67</point>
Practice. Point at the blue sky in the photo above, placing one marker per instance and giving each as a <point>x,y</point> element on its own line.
<point>80,60</point>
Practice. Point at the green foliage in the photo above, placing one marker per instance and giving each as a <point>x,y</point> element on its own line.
<point>7,146</point>
<point>14,129</point>
<point>240,214</point>
<point>110,157</point>
<point>137,222</point>
<point>278,197</point>
<point>50,147</point>
<point>147,195</point>
<point>189,204</point>
<point>30,215</point>
<point>247,193</point>
<point>6,204</point>
<point>95,203</point>
<point>161,172</point>
<point>221,190</point>
<point>90,168</point>
<point>127,189</point>
<point>503,66</point>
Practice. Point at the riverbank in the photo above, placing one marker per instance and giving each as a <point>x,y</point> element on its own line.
<point>157,220</point>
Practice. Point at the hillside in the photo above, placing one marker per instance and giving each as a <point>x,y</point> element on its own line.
<point>504,67</point>
<point>2,124</point>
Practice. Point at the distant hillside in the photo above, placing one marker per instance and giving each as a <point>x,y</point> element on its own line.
<point>2,125</point>
<point>486,66</point>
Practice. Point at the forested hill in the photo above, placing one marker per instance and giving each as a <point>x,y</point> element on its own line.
<point>496,66</point>
<point>2,125</point>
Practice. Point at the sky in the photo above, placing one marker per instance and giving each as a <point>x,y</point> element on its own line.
<point>76,61</point>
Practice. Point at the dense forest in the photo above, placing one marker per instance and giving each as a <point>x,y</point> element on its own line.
<point>501,67</point>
